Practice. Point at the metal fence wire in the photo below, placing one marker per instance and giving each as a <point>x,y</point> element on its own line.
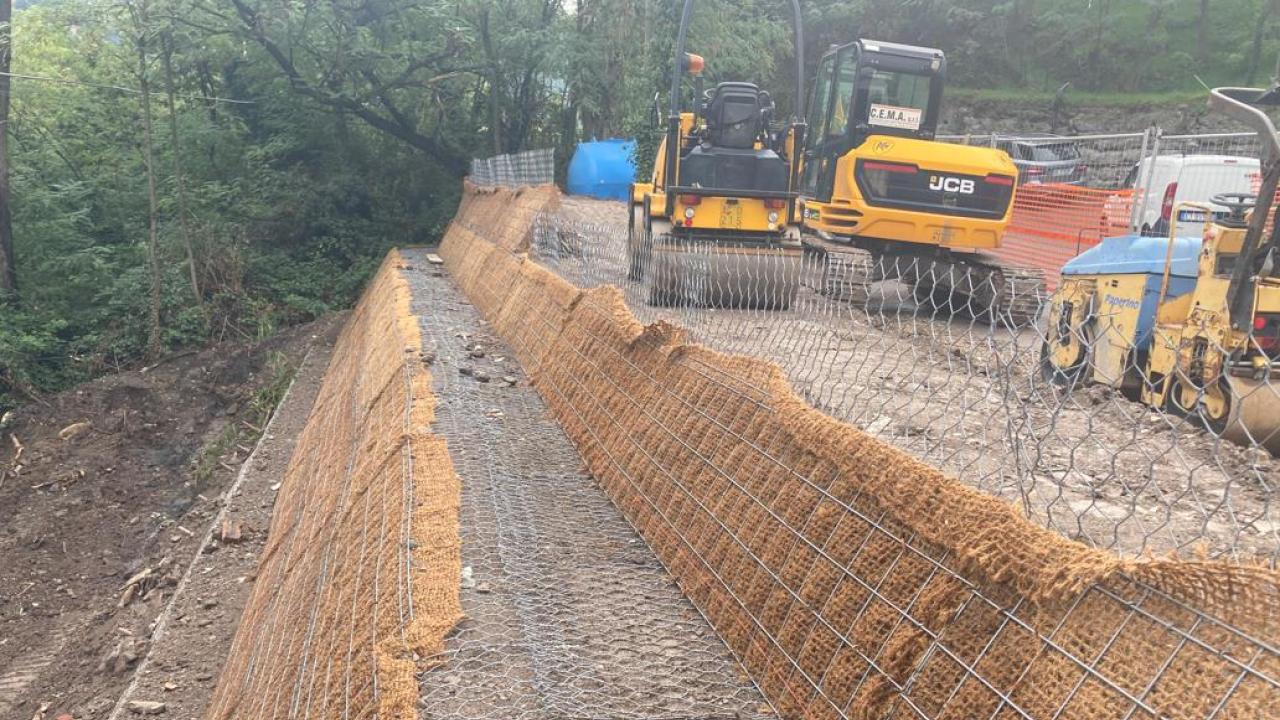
<point>1077,450</point>
<point>850,580</point>
<point>358,579</point>
<point>1075,190</point>
<point>532,167</point>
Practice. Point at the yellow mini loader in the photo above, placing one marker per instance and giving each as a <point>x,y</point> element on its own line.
<point>1190,324</point>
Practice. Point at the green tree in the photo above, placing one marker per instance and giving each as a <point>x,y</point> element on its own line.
<point>8,273</point>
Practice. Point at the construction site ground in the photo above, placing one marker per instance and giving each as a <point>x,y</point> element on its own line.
<point>568,612</point>
<point>139,509</point>
<point>948,389</point>
<point>126,478</point>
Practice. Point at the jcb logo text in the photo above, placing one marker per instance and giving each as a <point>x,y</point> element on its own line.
<point>943,183</point>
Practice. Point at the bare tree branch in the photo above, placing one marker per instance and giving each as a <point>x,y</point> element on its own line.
<point>394,122</point>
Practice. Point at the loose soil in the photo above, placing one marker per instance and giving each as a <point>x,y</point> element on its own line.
<point>209,602</point>
<point>118,480</point>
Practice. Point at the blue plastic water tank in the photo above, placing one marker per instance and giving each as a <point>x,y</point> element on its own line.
<point>603,169</point>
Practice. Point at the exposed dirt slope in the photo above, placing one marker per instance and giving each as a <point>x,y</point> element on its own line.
<point>116,481</point>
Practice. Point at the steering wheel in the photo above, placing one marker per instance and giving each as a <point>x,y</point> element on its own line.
<point>1236,202</point>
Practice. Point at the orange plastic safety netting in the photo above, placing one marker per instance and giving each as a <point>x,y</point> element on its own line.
<point>1053,223</point>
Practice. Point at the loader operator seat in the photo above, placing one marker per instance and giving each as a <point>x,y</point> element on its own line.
<point>737,115</point>
<point>734,115</point>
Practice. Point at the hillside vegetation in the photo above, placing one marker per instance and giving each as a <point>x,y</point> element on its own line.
<point>186,171</point>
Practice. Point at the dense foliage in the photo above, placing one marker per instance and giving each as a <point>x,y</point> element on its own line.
<point>290,142</point>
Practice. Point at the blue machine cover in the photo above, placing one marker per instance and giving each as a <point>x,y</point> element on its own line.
<point>1138,255</point>
<point>603,169</point>
<point>1132,254</point>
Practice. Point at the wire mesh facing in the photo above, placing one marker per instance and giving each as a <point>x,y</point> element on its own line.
<point>532,167</point>
<point>569,615</point>
<point>851,580</point>
<point>359,578</point>
<point>938,376</point>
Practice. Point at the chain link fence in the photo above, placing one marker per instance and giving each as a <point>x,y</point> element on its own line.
<point>849,579</point>
<point>1077,451</point>
<point>532,167</point>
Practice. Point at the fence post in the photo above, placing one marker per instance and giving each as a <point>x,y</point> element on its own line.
<point>1145,189</point>
<point>1134,212</point>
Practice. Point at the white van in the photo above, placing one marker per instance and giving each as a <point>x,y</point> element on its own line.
<point>1187,178</point>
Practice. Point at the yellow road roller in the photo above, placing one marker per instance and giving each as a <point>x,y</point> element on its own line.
<point>1188,324</point>
<point>712,227</point>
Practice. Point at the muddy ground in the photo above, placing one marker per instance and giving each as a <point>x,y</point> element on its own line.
<point>108,492</point>
<point>968,397</point>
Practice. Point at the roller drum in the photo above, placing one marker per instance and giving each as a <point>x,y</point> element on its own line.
<point>724,275</point>
<point>1255,413</point>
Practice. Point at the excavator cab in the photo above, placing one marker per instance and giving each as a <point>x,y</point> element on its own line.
<point>865,88</point>
<point>881,199</point>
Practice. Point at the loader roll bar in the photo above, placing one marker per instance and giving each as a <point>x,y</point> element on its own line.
<point>673,113</point>
<point>1243,105</point>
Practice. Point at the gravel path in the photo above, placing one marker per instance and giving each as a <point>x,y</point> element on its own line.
<point>569,614</point>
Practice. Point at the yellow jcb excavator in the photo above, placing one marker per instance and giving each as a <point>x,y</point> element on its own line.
<point>877,197</point>
<point>880,199</point>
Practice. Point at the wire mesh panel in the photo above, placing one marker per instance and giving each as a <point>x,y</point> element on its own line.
<point>1072,192</point>
<point>940,374</point>
<point>569,615</point>
<point>850,579</point>
<point>358,579</point>
<point>532,167</point>
<point>1075,190</point>
<point>1192,169</point>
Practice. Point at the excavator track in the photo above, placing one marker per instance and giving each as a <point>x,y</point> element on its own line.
<point>978,284</point>
<point>1023,295</point>
<point>842,272</point>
